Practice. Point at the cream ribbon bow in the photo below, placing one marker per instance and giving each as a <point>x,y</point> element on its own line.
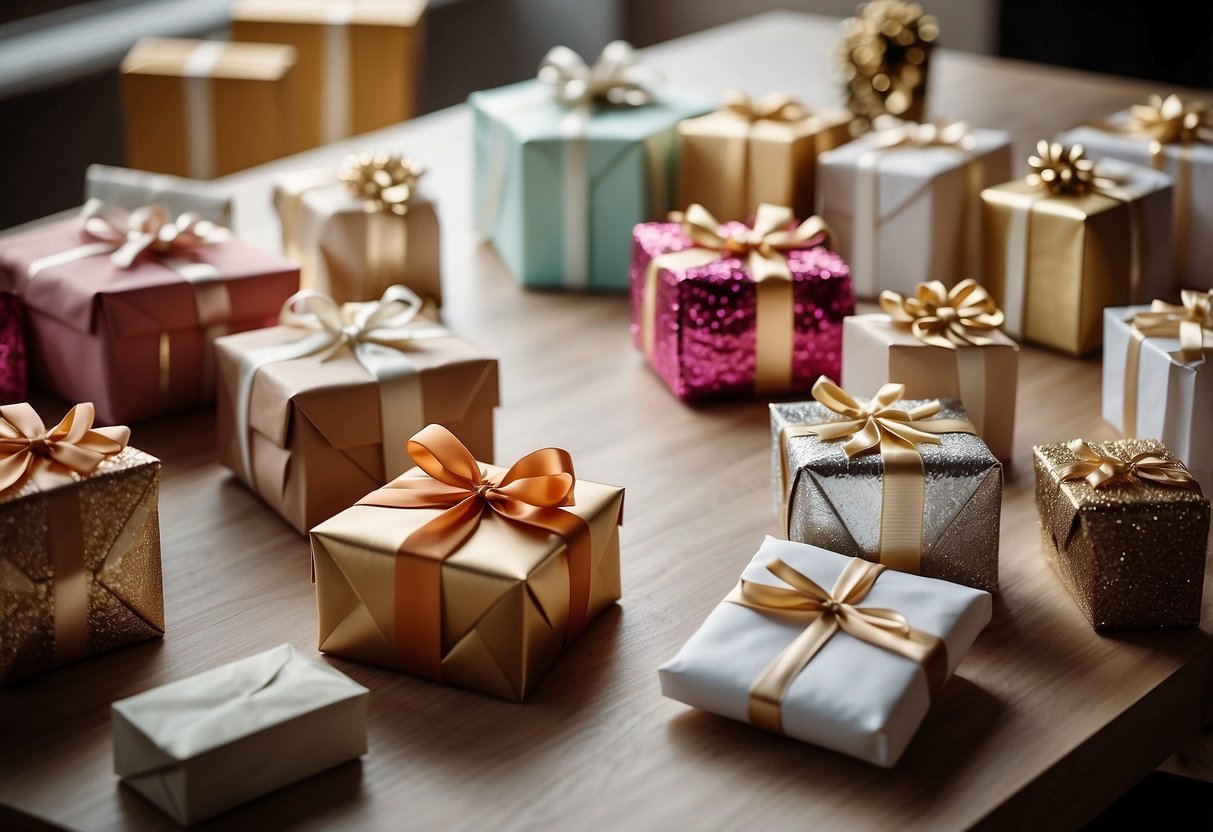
<point>29,451</point>
<point>1104,469</point>
<point>616,77</point>
<point>889,131</point>
<point>946,318</point>
<point>777,106</point>
<point>1191,322</point>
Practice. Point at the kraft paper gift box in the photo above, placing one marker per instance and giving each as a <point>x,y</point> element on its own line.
<point>79,541</point>
<point>560,181</point>
<point>204,744</point>
<point>131,189</point>
<point>756,150</point>
<point>904,203</point>
<point>1072,239</point>
<point>358,61</point>
<point>479,580</point>
<point>123,307</point>
<point>312,418</point>
<point>940,344</point>
<point>1126,528</point>
<point>865,698</point>
<point>13,387</point>
<point>204,109</point>
<point>903,482</point>
<point>357,231</point>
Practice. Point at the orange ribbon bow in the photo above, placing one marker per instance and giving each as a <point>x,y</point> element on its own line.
<point>1104,469</point>
<point>943,318</point>
<point>29,450</point>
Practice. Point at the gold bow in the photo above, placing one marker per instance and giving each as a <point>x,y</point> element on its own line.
<point>385,182</point>
<point>883,56</point>
<point>28,451</point>
<point>890,131</point>
<point>1062,169</point>
<point>1191,322</point>
<point>943,318</point>
<point>1170,120</point>
<point>764,247</point>
<point>1104,469</point>
<point>826,613</point>
<point>147,229</point>
<point>777,106</point>
<point>617,77</point>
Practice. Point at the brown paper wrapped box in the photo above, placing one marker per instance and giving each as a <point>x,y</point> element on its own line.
<point>1131,551</point>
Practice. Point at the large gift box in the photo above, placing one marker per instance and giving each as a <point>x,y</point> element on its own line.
<point>1174,136</point>
<point>466,573</point>
<point>902,482</point>
<point>756,150</point>
<point>202,109</point>
<point>1072,239</point>
<point>566,165</point>
<point>1156,376</point>
<point>13,375</point>
<point>131,189</point>
<point>123,307</point>
<point>729,309</point>
<point>201,745</point>
<point>1126,527</point>
<point>939,343</point>
<point>856,676</point>
<point>79,541</point>
<point>315,413</point>
<point>903,201</point>
<point>358,65</point>
<point>359,230</point>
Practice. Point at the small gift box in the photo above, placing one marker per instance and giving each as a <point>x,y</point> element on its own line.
<point>123,307</point>
<point>467,573</point>
<point>201,745</point>
<point>567,164</point>
<point>1156,378</point>
<point>202,109</point>
<point>131,189</point>
<point>1174,136</point>
<point>79,541</point>
<point>904,200</point>
<point>311,413</point>
<point>905,483</point>
<point>358,66</point>
<point>726,309</point>
<point>939,343</point>
<point>1068,241</point>
<point>357,231</point>
<point>814,645</point>
<point>1126,528</point>
<point>12,350</point>
<point>756,150</point>
<point>882,59</point>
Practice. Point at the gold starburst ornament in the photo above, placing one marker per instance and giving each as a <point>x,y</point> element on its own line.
<point>883,58</point>
<point>1061,169</point>
<point>385,182</point>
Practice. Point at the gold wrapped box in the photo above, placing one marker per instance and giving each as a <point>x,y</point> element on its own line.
<point>79,541</point>
<point>204,109</point>
<point>1126,527</point>
<point>479,580</point>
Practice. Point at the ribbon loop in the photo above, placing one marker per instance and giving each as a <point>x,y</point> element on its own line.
<point>889,132</point>
<point>778,106</point>
<point>384,182</point>
<point>1101,469</point>
<point>946,318</point>
<point>1191,322</point>
<point>616,77</point>
<point>1170,120</point>
<point>28,451</point>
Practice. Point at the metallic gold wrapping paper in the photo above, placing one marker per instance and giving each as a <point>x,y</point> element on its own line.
<point>1132,556</point>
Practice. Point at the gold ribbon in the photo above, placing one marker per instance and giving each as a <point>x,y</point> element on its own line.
<point>824,614</point>
<point>532,494</point>
<point>382,181</point>
<point>1101,470</point>
<point>763,250</point>
<point>1191,322</point>
<point>894,433</point>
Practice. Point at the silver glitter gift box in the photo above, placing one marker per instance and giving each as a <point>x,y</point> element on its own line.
<point>835,502</point>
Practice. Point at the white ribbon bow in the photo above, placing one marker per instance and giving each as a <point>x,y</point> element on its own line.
<point>617,77</point>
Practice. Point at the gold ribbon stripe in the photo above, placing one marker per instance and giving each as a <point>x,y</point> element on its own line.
<point>1191,322</point>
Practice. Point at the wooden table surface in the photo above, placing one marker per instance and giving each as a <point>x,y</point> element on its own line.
<point>1044,724</point>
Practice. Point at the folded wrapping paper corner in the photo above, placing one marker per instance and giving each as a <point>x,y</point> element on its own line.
<point>853,695</point>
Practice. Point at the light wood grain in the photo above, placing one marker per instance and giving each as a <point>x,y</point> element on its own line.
<point>1044,724</point>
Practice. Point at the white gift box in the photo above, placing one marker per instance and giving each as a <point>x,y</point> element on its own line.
<point>131,189</point>
<point>213,741</point>
<point>907,214</point>
<point>1174,398</point>
<point>852,697</point>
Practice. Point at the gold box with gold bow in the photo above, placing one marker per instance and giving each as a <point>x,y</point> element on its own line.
<point>902,482</point>
<point>1071,239</point>
<point>466,573</point>
<point>1126,527</point>
<point>79,541</point>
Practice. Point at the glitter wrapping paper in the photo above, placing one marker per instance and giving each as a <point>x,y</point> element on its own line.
<point>1132,555</point>
<point>705,329</point>
<point>12,350</point>
<point>118,545</point>
<point>835,503</point>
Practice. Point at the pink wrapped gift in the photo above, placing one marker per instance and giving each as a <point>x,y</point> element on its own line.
<point>123,308</point>
<point>725,309</point>
<point>12,350</point>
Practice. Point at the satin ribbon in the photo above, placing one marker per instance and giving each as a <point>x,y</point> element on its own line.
<point>337,89</point>
<point>49,459</point>
<point>532,494</point>
<point>825,614</point>
<point>1101,470</point>
<point>1191,323</point>
<point>763,250</point>
<point>199,107</point>
<point>894,434</point>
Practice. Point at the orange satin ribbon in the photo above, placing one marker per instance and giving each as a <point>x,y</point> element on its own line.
<point>531,494</point>
<point>1191,322</point>
<point>1103,469</point>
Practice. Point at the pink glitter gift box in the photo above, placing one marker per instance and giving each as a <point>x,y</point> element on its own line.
<point>704,334</point>
<point>12,350</point>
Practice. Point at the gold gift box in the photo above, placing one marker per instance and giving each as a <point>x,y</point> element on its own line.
<point>204,109</point>
<point>358,61</point>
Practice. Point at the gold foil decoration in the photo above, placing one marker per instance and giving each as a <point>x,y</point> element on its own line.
<point>883,58</point>
<point>959,317</point>
<point>383,181</point>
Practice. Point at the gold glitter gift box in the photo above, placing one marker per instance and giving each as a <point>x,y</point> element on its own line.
<point>1126,528</point>
<point>79,542</point>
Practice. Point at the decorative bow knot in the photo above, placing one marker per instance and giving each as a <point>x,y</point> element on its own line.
<point>877,425</point>
<point>777,106</point>
<point>1105,469</point>
<point>387,321</point>
<point>385,182</point>
<point>764,246</point>
<point>29,450</point>
<point>617,77</point>
<point>943,318</point>
<point>147,229</point>
<point>890,131</point>
<point>1170,121</point>
<point>1062,169</point>
<point>1191,323</point>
